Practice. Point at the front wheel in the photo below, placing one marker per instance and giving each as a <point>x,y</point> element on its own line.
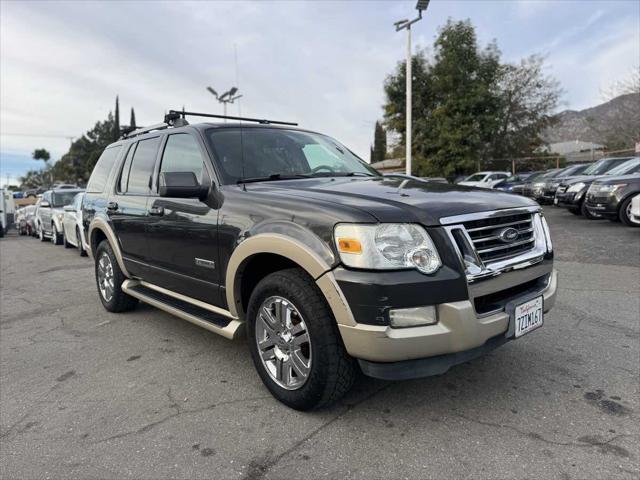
<point>109,280</point>
<point>587,214</point>
<point>625,214</point>
<point>56,238</point>
<point>295,343</point>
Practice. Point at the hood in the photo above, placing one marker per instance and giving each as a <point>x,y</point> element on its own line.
<point>398,200</point>
<point>608,179</point>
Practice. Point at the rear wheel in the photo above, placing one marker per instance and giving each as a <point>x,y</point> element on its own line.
<point>65,242</point>
<point>295,343</point>
<point>55,236</point>
<point>625,214</point>
<point>109,280</point>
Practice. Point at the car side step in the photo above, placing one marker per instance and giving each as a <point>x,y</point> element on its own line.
<point>206,316</point>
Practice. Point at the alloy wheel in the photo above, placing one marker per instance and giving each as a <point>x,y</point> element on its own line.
<point>106,283</point>
<point>283,343</point>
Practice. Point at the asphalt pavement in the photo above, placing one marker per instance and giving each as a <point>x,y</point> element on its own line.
<point>89,394</point>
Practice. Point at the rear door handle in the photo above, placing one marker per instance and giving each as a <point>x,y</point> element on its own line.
<point>157,211</point>
<point>112,206</point>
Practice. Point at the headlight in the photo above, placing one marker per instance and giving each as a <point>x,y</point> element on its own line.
<point>388,246</point>
<point>609,189</point>
<point>547,233</point>
<point>576,187</point>
<point>60,216</point>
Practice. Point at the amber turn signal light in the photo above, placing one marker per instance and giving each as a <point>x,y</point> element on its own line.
<point>349,245</point>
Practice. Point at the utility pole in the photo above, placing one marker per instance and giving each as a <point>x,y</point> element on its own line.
<point>421,6</point>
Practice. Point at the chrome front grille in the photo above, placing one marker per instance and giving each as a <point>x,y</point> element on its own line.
<point>491,246</point>
<point>489,243</point>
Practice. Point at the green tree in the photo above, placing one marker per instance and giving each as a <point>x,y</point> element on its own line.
<point>379,150</point>
<point>132,121</point>
<point>468,108</point>
<point>41,154</point>
<point>116,121</point>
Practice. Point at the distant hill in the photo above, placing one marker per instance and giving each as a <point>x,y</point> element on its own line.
<point>594,124</point>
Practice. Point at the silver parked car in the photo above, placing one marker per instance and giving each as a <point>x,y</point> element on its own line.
<point>50,212</point>
<point>73,233</point>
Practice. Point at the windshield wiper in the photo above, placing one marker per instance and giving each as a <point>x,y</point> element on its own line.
<point>275,176</point>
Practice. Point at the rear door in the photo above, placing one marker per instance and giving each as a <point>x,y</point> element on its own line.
<point>127,208</point>
<point>182,233</point>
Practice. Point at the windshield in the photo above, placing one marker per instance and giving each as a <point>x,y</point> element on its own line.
<point>604,165</point>
<point>60,199</point>
<point>630,166</point>
<point>575,170</point>
<point>476,177</point>
<point>275,153</point>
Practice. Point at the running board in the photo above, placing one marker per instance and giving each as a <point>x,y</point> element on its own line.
<point>207,316</point>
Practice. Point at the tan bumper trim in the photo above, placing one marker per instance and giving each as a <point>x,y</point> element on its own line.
<point>458,329</point>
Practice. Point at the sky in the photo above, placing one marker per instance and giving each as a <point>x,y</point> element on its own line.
<point>319,63</point>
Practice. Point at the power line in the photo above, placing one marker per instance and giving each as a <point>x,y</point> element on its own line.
<point>38,135</point>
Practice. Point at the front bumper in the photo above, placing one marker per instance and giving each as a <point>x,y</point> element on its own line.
<point>603,206</point>
<point>460,334</point>
<point>569,199</point>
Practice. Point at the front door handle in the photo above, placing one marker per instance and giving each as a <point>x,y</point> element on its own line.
<point>157,211</point>
<point>112,206</point>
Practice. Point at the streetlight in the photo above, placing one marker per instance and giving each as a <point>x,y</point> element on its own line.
<point>421,6</point>
<point>226,98</point>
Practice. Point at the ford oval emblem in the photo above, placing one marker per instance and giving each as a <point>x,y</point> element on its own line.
<point>508,235</point>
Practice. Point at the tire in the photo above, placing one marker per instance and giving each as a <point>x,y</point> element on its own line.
<point>625,213</point>
<point>575,211</point>
<point>587,214</point>
<point>83,252</point>
<point>331,371</point>
<point>65,242</point>
<point>55,236</point>
<point>109,280</point>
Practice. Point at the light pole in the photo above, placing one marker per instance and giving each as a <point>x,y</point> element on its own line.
<point>421,6</point>
<point>226,98</point>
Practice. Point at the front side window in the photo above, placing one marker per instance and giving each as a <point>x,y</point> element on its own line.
<point>182,154</point>
<point>142,165</point>
<point>100,174</point>
<point>269,153</point>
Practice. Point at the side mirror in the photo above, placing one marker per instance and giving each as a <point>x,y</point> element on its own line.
<point>45,204</point>
<point>69,208</point>
<point>181,185</point>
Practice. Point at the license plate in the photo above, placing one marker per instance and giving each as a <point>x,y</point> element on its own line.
<point>528,316</point>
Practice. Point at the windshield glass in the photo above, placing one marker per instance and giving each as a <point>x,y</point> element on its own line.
<point>278,153</point>
<point>60,199</point>
<point>550,174</point>
<point>604,165</point>
<point>476,177</point>
<point>575,170</point>
<point>630,166</point>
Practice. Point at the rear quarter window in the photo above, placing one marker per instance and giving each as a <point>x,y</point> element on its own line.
<point>100,174</point>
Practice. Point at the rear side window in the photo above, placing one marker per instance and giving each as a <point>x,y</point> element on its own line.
<point>182,154</point>
<point>100,174</point>
<point>142,165</point>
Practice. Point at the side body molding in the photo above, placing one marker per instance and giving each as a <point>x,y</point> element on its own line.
<point>99,224</point>
<point>295,251</point>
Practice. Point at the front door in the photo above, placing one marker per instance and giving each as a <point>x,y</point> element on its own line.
<point>182,233</point>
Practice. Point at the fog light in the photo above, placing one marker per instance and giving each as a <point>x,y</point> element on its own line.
<point>413,317</point>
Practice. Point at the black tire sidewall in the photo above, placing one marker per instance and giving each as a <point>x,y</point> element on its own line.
<point>316,314</point>
<point>622,215</point>
<point>120,301</point>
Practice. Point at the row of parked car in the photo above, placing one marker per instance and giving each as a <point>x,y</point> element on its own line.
<point>608,188</point>
<point>56,217</point>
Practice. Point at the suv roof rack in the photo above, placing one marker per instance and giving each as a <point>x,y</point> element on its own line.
<point>140,131</point>
<point>177,118</point>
